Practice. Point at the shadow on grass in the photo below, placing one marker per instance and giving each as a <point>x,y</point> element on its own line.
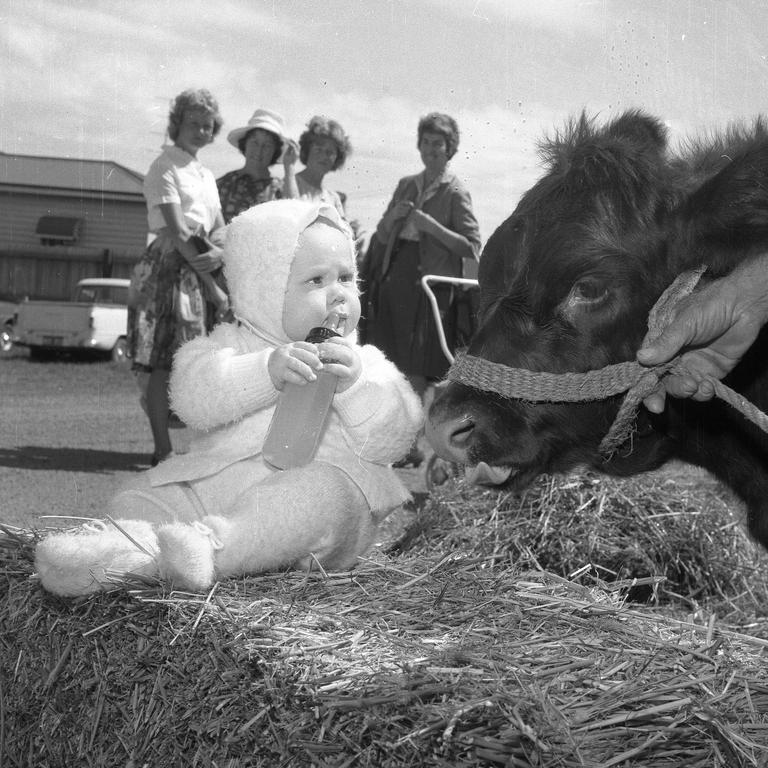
<point>72,459</point>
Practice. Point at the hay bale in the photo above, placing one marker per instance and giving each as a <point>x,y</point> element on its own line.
<point>678,532</point>
<point>429,657</point>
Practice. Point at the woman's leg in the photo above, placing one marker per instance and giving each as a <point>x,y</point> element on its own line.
<point>158,408</point>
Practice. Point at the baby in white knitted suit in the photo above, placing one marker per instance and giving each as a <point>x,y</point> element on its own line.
<point>221,510</point>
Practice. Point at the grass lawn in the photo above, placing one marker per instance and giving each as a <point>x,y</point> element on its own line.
<point>70,433</point>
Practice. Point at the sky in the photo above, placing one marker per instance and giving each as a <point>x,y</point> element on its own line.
<point>94,78</point>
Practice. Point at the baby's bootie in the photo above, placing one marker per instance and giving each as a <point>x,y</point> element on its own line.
<point>96,556</point>
<point>187,552</point>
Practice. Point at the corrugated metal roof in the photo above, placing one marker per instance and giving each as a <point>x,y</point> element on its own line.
<point>98,176</point>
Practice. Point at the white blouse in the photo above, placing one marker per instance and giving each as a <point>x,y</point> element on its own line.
<point>177,177</point>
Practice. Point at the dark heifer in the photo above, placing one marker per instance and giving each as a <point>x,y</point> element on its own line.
<point>567,282</point>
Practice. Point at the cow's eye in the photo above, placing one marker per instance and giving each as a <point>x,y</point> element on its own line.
<point>589,290</point>
<point>587,293</point>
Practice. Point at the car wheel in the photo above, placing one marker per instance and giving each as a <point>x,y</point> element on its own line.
<point>119,353</point>
<point>6,340</point>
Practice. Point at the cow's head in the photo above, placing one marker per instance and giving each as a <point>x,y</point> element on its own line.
<point>566,284</point>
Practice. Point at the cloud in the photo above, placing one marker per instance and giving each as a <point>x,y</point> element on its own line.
<point>93,78</point>
<point>558,14</point>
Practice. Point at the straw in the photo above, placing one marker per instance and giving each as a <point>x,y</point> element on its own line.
<point>458,650</point>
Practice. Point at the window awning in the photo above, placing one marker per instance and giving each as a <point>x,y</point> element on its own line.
<point>61,228</point>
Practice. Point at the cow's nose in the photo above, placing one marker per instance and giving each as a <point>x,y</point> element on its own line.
<point>450,438</point>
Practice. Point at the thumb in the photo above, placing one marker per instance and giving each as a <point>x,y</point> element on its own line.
<point>663,348</point>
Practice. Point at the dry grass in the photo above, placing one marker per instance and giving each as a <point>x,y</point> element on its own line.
<point>461,644</point>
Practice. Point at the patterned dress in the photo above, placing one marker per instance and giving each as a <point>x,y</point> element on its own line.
<point>239,191</point>
<point>166,304</point>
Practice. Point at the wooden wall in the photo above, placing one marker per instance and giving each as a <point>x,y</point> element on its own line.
<point>107,223</point>
<point>53,272</point>
<point>113,237</point>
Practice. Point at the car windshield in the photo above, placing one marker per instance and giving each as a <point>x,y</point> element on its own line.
<point>103,294</point>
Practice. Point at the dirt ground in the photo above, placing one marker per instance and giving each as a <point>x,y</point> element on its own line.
<point>72,432</point>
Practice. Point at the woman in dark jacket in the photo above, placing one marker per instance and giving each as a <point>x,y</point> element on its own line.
<point>427,228</point>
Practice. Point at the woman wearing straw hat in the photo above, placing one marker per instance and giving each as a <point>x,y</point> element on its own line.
<point>262,142</point>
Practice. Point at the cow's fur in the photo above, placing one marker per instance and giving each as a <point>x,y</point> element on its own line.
<point>566,284</point>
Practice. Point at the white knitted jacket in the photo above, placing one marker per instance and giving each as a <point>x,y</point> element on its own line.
<point>220,385</point>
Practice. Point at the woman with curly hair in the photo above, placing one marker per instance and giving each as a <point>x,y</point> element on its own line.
<point>175,278</point>
<point>323,147</point>
<point>262,142</point>
<point>428,228</point>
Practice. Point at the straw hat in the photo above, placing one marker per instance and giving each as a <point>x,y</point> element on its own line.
<point>265,119</point>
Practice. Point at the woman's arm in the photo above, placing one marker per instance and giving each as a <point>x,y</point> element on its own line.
<point>180,233</point>
<point>457,244</point>
<point>397,209</point>
<point>460,234</point>
<point>217,230</point>
<point>290,156</point>
<point>202,263</point>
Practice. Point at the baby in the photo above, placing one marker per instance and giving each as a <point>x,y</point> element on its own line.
<point>221,510</point>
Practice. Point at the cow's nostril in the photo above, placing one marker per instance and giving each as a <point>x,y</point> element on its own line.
<point>450,438</point>
<point>462,431</point>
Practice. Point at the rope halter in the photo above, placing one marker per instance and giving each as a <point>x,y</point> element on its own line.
<point>638,381</point>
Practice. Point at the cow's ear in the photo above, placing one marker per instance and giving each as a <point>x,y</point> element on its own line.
<point>640,129</point>
<point>727,216</point>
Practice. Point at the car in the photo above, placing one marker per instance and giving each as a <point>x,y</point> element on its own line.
<point>95,321</point>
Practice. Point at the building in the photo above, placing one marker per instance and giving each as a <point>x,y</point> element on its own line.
<point>63,219</point>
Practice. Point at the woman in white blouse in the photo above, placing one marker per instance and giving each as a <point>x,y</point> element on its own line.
<point>174,292</point>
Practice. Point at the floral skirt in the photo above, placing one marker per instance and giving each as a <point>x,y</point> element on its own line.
<point>166,306</point>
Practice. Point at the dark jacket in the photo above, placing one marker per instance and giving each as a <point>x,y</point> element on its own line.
<point>451,206</point>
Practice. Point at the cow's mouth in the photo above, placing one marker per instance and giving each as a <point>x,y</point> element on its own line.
<point>510,477</point>
<point>488,474</point>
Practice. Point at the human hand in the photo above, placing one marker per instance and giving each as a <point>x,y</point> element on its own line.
<point>423,221</point>
<point>205,262</point>
<point>290,153</point>
<point>716,325</point>
<point>342,359</point>
<point>401,209</point>
<point>218,236</point>
<point>296,362</point>
<point>218,296</point>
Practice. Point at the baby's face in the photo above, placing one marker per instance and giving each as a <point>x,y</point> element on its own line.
<point>322,279</point>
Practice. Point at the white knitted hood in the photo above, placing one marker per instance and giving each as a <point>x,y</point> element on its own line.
<point>258,253</point>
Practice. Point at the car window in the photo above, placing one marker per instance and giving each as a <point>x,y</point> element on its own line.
<point>103,294</point>
<point>86,294</point>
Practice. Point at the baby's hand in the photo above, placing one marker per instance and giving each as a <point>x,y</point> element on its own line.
<point>297,363</point>
<point>341,359</point>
